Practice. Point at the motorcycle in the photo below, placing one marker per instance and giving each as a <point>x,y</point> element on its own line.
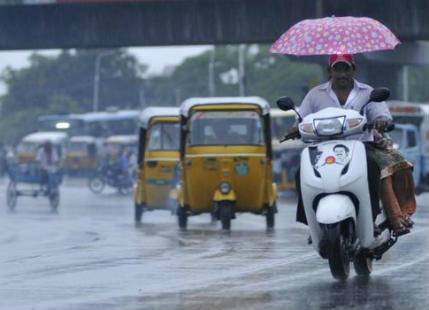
<point>109,174</point>
<point>335,191</point>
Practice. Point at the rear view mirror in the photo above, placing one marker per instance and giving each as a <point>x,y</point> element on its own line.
<point>285,104</point>
<point>379,94</point>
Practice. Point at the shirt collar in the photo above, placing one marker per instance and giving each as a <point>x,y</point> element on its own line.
<point>328,85</point>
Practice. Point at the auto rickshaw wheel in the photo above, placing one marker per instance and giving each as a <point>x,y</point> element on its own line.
<point>270,217</point>
<point>11,196</point>
<point>226,216</point>
<point>138,212</point>
<point>54,199</point>
<point>182,217</point>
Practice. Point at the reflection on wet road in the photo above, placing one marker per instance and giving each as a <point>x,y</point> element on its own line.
<point>90,255</point>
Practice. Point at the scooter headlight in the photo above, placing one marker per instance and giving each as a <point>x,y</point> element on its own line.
<point>225,187</point>
<point>329,126</point>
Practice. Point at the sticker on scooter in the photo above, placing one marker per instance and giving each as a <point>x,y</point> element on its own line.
<point>330,160</point>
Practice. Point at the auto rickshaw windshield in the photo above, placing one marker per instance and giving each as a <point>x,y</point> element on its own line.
<point>164,136</point>
<point>226,128</point>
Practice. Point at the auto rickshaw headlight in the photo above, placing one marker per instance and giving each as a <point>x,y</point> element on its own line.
<point>224,188</point>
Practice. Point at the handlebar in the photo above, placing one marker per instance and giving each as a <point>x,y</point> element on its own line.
<point>290,136</point>
<point>390,127</point>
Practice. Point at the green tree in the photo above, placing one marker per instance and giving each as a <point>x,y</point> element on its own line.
<point>64,84</point>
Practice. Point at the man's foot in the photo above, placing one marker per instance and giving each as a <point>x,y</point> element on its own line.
<point>407,222</point>
<point>399,229</point>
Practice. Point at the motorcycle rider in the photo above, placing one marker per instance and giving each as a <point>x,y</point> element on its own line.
<point>392,173</point>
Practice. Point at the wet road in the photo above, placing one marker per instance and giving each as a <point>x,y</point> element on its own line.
<point>90,255</point>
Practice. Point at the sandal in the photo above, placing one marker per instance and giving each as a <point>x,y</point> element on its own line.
<point>399,230</point>
<point>407,222</point>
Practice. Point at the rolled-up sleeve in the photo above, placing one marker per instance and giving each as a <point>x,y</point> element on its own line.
<point>376,110</point>
<point>306,105</point>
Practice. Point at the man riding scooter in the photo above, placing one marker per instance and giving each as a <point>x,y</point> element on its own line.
<point>392,173</point>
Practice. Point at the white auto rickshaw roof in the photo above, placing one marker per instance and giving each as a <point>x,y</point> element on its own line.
<point>280,113</point>
<point>150,112</point>
<point>126,139</point>
<point>110,116</point>
<point>83,139</point>
<point>41,137</point>
<point>188,104</point>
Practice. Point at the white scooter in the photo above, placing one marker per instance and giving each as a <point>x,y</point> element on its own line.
<point>335,191</point>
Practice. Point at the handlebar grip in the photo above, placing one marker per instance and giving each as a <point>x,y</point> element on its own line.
<point>390,127</point>
<point>290,136</point>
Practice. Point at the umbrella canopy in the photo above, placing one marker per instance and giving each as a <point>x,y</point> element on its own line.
<point>335,35</point>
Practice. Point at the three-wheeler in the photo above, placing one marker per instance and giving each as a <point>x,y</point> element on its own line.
<point>225,159</point>
<point>157,161</point>
<point>81,157</point>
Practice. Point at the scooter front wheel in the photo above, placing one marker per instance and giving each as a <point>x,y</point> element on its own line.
<point>338,256</point>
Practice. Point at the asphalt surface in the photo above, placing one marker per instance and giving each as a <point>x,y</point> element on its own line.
<point>91,255</point>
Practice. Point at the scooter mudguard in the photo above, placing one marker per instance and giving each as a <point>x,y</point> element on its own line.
<point>335,208</point>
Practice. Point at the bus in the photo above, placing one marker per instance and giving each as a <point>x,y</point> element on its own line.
<point>95,124</point>
<point>72,124</point>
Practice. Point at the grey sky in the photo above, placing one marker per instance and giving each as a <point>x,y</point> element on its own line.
<point>156,57</point>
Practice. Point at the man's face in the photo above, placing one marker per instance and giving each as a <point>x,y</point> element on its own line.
<point>342,75</point>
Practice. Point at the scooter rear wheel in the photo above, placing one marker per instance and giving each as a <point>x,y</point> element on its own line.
<point>362,264</point>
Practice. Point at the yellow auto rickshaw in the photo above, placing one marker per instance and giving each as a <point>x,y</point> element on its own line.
<point>81,155</point>
<point>117,142</point>
<point>225,156</point>
<point>157,160</point>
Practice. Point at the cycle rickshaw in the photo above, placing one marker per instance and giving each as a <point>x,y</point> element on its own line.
<point>31,181</point>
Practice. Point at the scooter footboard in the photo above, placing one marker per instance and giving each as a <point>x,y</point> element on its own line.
<point>335,208</point>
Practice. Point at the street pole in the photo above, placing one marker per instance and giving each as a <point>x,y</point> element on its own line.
<point>211,79</point>
<point>241,70</point>
<point>97,79</point>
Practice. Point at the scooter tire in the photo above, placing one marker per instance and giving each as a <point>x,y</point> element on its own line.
<point>362,264</point>
<point>339,262</point>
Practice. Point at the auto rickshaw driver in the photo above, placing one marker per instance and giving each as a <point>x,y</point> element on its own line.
<point>222,134</point>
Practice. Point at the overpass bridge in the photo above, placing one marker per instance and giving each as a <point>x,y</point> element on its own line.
<point>113,23</point>
<point>121,23</point>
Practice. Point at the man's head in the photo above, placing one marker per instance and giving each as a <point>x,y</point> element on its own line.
<point>341,70</point>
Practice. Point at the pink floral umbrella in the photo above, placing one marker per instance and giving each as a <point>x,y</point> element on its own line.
<point>335,35</point>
